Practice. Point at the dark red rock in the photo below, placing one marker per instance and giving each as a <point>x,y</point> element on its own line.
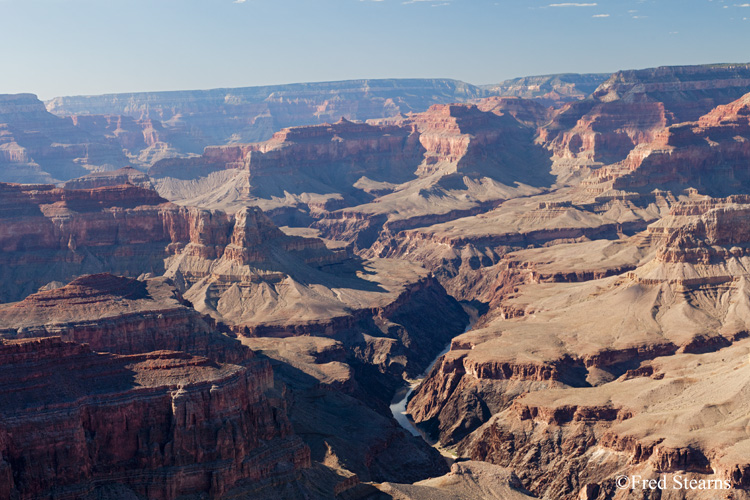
<point>162,425</point>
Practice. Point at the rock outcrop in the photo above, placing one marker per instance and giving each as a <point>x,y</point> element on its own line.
<point>127,175</point>
<point>633,107</point>
<point>121,316</point>
<point>709,155</point>
<point>321,162</point>
<point>49,234</point>
<point>81,424</point>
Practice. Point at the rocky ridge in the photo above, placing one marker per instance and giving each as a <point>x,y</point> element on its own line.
<point>123,372</point>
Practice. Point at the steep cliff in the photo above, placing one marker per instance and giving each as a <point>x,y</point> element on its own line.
<point>49,234</point>
<point>319,165</point>
<point>632,107</point>
<point>82,424</point>
<point>710,155</point>
<point>267,284</point>
<point>119,315</point>
<point>400,172</point>
<point>122,229</point>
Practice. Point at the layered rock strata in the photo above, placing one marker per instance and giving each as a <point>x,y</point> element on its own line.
<point>355,181</point>
<point>633,107</point>
<point>165,424</point>
<point>188,121</point>
<point>589,392</point>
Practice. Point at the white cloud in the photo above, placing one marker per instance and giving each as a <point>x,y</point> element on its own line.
<point>572,5</point>
<point>239,1</point>
<point>600,15</point>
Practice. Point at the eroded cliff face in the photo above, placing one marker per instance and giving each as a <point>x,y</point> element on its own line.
<point>633,107</point>
<point>52,235</point>
<point>264,283</point>
<point>709,155</point>
<point>164,424</point>
<point>122,316</point>
<point>356,181</point>
<point>383,319</point>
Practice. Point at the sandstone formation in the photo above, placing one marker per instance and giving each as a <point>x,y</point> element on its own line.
<point>632,107</point>
<point>81,424</point>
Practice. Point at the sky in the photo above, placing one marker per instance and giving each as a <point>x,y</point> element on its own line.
<point>84,47</point>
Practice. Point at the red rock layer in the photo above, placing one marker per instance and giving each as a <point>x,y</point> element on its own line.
<point>122,316</point>
<point>163,424</point>
<point>710,155</point>
<point>49,234</point>
<point>603,131</point>
<point>337,155</point>
<point>632,107</point>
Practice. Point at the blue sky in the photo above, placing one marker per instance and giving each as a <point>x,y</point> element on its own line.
<point>71,47</point>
